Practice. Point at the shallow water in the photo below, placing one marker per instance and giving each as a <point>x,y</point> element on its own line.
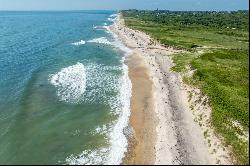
<point>64,89</point>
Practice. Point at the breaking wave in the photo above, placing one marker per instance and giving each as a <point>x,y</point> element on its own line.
<point>113,153</point>
<point>70,82</point>
<point>101,40</point>
<point>81,42</point>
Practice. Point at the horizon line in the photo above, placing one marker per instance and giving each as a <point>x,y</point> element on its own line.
<point>77,10</point>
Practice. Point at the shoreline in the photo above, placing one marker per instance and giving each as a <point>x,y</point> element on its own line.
<point>170,132</point>
<point>142,122</point>
<point>142,119</point>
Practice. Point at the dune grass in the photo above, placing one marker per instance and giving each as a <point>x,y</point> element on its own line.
<point>219,55</point>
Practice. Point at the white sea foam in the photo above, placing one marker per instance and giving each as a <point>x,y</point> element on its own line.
<point>117,138</point>
<point>115,43</point>
<point>114,153</point>
<point>99,27</point>
<point>101,81</point>
<point>113,15</point>
<point>88,157</point>
<point>120,106</point>
<point>81,42</point>
<point>101,130</point>
<point>101,40</point>
<point>70,82</point>
<point>110,19</point>
<point>118,43</point>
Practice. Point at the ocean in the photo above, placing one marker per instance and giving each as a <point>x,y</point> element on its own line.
<point>64,88</point>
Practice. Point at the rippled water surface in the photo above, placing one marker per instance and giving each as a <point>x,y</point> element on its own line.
<point>64,89</point>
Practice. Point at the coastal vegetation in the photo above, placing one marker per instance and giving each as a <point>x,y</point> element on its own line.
<point>217,50</point>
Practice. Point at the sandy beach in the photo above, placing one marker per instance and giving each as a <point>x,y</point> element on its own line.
<point>142,117</point>
<point>165,131</point>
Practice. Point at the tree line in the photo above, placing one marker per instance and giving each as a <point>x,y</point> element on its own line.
<point>217,19</point>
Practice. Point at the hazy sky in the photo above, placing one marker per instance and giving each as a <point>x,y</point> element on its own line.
<point>123,4</point>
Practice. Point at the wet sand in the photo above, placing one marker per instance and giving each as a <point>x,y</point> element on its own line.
<point>142,117</point>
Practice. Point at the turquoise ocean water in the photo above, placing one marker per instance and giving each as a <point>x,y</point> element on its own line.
<point>64,89</point>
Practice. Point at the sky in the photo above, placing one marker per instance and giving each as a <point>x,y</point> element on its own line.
<point>217,5</point>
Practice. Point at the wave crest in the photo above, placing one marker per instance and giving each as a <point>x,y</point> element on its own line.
<point>81,42</point>
<point>101,40</point>
<point>70,82</point>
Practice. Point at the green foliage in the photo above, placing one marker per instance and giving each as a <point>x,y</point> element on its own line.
<point>205,19</point>
<point>218,45</point>
<point>188,38</point>
<point>224,77</point>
